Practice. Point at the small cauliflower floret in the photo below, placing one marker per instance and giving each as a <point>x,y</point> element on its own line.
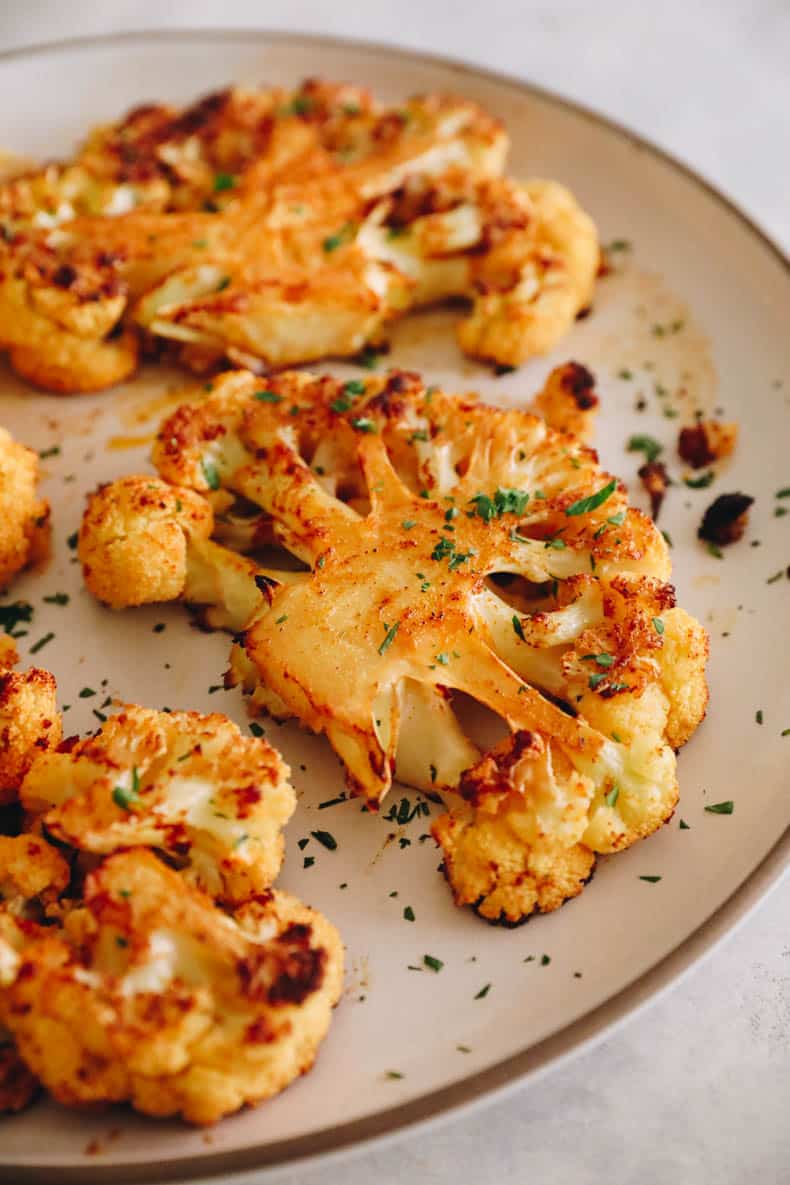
<point>152,995</point>
<point>568,401</point>
<point>24,517</point>
<point>530,290</point>
<point>32,874</point>
<point>682,659</point>
<point>707,441</point>
<point>192,786</point>
<point>511,844</point>
<point>134,537</point>
<point>29,720</point>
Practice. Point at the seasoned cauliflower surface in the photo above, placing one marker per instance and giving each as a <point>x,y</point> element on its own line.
<point>33,873</point>
<point>24,517</point>
<point>29,719</point>
<point>270,229</point>
<point>18,1087</point>
<point>151,994</point>
<point>434,547</point>
<point>192,786</point>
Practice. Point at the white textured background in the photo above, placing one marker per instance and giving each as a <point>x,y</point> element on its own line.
<point>695,1091</point>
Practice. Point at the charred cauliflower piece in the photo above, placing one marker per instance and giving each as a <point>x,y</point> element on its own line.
<point>29,720</point>
<point>18,1087</point>
<point>24,517</point>
<point>192,786</point>
<point>154,996</point>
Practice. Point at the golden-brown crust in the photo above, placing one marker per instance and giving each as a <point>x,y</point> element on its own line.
<point>24,517</point>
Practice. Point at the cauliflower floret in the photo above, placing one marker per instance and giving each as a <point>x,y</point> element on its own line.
<point>133,540</point>
<point>512,846</point>
<point>29,720</point>
<point>32,874</point>
<point>568,401</point>
<point>192,786</point>
<point>154,996</point>
<point>24,517</point>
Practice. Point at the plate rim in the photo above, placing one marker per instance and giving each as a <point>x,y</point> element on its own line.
<point>496,1082</point>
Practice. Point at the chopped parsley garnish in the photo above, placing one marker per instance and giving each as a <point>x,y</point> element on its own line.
<point>363,424</point>
<point>603,659</point>
<point>332,242</point>
<point>87,692</point>
<point>13,615</point>
<point>556,543</point>
<point>721,808</point>
<point>594,680</point>
<point>433,963</point>
<point>128,798</point>
<point>518,628</point>
<point>50,452</point>
<point>585,505</point>
<point>326,838</point>
<point>658,625</point>
<point>545,960</point>
<point>700,483</point>
<point>393,1074</point>
<point>41,643</point>
<point>210,473</point>
<point>647,445</point>
<point>281,619</point>
<point>758,715</point>
<point>72,541</point>
<point>389,636</point>
<point>463,1049</point>
<point>268,396</point>
<point>504,501</point>
<point>714,550</point>
<point>408,523</point>
<point>683,826</point>
<point>408,914</point>
<point>341,404</point>
<point>368,358</point>
<point>445,549</point>
<point>776,576</point>
<point>159,628</point>
<point>483,992</point>
<point>651,880</point>
<point>256,729</point>
<point>308,862</point>
<point>224,181</point>
<point>322,806</point>
<point>611,798</point>
<point>354,387</point>
<point>625,374</point>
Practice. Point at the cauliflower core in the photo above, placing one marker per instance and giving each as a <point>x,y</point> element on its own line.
<point>191,786</point>
<point>275,229</point>
<point>24,517</point>
<point>151,994</point>
<point>439,547</point>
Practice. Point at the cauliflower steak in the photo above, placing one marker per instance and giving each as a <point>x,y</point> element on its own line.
<point>438,550</point>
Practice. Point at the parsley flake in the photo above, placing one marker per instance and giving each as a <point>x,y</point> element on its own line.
<point>210,473</point>
<point>326,838</point>
<point>389,636</point>
<point>585,505</point>
<point>518,628</point>
<point>481,995</point>
<point>433,963</point>
<point>647,445</point>
<point>721,808</point>
<point>267,396</point>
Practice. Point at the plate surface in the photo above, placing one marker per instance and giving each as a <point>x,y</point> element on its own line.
<point>693,315</point>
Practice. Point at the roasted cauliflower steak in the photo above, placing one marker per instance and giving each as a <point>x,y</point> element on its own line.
<point>151,994</point>
<point>193,787</point>
<point>273,229</point>
<point>438,550</point>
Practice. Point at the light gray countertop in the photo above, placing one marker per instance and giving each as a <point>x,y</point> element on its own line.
<point>696,1088</point>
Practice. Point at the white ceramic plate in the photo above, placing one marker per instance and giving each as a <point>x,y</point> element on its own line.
<point>694,262</point>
